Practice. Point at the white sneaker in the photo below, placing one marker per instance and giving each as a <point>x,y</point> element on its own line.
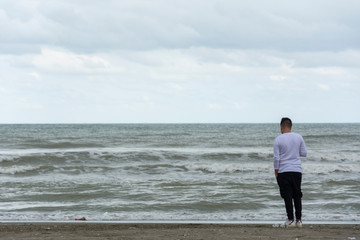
<point>289,223</point>
<point>298,223</point>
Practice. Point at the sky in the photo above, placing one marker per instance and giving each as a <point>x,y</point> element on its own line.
<point>179,61</point>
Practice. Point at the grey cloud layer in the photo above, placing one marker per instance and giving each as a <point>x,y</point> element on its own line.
<point>90,26</point>
<point>179,61</point>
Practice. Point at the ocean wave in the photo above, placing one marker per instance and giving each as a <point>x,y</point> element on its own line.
<point>12,170</point>
<point>167,168</point>
<point>330,136</point>
<point>238,167</point>
<point>168,154</point>
<point>332,156</point>
<point>59,145</point>
<point>157,160</point>
<point>133,154</point>
<point>330,168</point>
<point>28,170</point>
<point>228,167</point>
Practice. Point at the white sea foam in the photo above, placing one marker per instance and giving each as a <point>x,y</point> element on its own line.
<point>17,169</point>
<point>178,217</point>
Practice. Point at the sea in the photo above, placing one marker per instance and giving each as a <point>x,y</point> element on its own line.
<point>168,172</point>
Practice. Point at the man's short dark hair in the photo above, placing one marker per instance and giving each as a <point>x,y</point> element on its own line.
<point>286,122</point>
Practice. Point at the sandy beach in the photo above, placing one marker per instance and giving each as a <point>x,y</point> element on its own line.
<point>86,230</point>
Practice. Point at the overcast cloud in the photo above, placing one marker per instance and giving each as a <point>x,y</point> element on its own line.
<point>179,61</point>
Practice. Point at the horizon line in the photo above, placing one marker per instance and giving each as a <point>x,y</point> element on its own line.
<point>113,123</point>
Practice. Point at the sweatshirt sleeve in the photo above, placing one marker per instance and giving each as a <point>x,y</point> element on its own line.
<point>303,151</point>
<point>276,155</point>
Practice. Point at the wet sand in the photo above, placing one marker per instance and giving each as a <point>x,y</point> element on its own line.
<point>86,230</point>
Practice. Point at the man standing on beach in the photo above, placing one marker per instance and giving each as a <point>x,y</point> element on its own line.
<point>288,148</point>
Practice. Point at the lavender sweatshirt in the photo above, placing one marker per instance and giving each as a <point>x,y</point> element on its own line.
<point>288,148</point>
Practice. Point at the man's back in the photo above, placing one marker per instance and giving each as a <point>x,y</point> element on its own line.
<point>288,148</point>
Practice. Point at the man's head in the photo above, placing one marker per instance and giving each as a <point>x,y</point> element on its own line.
<point>285,125</point>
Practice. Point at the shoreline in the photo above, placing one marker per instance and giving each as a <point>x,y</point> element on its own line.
<point>179,222</point>
<point>82,230</point>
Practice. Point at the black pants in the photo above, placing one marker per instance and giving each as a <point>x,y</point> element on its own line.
<point>290,189</point>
